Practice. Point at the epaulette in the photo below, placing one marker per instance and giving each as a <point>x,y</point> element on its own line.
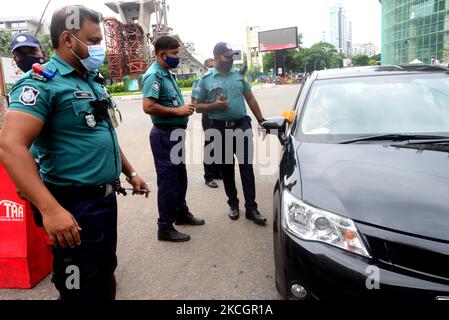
<point>38,77</point>
<point>207,74</point>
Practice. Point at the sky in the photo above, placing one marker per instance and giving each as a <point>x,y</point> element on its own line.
<point>206,22</point>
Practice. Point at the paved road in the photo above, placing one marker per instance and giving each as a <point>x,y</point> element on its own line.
<point>225,259</point>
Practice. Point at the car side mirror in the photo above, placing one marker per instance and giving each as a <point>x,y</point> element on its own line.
<point>276,126</point>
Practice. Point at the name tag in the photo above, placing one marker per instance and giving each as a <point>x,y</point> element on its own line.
<point>83,95</point>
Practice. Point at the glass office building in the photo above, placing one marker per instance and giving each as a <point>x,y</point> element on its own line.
<point>415,29</point>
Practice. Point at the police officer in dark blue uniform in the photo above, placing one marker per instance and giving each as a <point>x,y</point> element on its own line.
<point>64,108</point>
<point>27,51</point>
<point>163,101</point>
<point>222,94</point>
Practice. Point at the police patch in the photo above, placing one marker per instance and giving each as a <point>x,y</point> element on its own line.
<point>156,86</point>
<point>21,39</point>
<point>29,96</point>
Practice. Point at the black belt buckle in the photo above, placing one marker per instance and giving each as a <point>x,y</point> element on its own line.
<point>229,124</point>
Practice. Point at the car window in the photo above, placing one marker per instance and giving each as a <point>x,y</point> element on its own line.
<point>412,104</point>
<point>297,109</point>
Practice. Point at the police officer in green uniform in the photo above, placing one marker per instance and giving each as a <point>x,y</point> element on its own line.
<point>211,170</point>
<point>169,113</point>
<point>67,112</point>
<point>222,93</point>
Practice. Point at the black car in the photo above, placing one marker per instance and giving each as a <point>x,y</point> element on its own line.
<point>361,206</point>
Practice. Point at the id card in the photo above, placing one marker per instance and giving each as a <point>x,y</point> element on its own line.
<point>113,118</point>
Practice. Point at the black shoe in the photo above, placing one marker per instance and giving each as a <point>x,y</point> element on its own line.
<point>234,214</point>
<point>211,184</point>
<point>189,220</point>
<point>172,236</point>
<point>255,215</point>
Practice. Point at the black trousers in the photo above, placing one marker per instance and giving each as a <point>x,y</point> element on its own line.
<point>93,263</point>
<point>211,171</point>
<point>238,142</point>
<point>172,179</point>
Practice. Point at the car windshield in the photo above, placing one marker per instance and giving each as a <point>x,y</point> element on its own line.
<point>341,109</point>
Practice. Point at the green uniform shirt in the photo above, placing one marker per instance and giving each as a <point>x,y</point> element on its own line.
<point>233,86</point>
<point>159,84</point>
<point>71,153</point>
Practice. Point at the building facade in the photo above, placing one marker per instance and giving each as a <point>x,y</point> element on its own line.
<point>22,24</point>
<point>340,29</point>
<point>253,56</point>
<point>369,49</point>
<point>415,29</point>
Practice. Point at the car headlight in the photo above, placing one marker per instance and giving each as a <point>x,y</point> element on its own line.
<point>313,224</point>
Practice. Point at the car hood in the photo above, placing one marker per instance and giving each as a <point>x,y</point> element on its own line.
<point>400,189</point>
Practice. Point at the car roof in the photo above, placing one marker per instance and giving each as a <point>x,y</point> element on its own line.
<point>379,70</point>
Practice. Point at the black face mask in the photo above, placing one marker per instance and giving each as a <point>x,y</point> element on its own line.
<point>26,63</point>
<point>226,66</point>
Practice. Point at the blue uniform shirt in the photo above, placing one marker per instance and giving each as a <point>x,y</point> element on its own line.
<point>159,84</point>
<point>233,86</point>
<point>72,149</point>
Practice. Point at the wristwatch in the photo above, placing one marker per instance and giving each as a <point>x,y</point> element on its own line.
<point>131,176</point>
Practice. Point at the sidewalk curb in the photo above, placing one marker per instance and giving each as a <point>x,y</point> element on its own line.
<point>185,94</point>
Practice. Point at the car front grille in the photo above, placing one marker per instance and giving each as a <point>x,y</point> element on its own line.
<point>410,257</point>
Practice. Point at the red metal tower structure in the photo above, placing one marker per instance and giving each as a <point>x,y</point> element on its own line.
<point>135,48</point>
<point>126,49</point>
<point>115,56</point>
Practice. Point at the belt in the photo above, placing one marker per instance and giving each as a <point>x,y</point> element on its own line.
<point>227,123</point>
<point>168,126</point>
<point>80,194</point>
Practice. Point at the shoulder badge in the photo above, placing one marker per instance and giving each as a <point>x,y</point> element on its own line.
<point>197,89</point>
<point>29,96</point>
<point>156,86</point>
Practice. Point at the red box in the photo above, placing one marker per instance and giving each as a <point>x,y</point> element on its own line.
<point>25,251</point>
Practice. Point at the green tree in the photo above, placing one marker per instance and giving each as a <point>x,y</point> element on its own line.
<point>360,60</point>
<point>46,44</point>
<point>268,61</point>
<point>377,57</point>
<point>337,60</point>
<point>320,56</point>
<point>5,42</point>
<point>104,70</point>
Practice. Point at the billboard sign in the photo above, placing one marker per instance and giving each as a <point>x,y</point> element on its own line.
<point>280,39</point>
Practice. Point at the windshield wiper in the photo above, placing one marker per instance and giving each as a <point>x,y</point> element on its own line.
<point>421,142</point>
<point>399,138</point>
